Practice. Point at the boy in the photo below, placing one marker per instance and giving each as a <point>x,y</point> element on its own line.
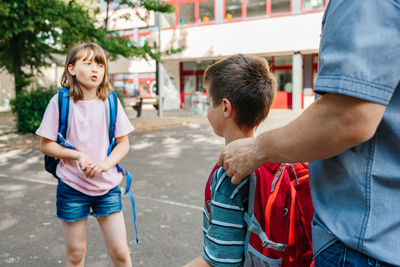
<point>240,93</point>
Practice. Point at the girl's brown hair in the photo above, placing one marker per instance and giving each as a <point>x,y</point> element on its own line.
<point>85,51</point>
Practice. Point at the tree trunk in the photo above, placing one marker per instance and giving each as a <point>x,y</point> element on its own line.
<point>106,20</point>
<point>19,79</point>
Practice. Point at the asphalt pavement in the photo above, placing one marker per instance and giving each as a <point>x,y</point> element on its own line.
<point>169,165</point>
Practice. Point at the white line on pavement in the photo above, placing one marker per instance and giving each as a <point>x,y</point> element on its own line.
<point>28,179</point>
<point>170,202</point>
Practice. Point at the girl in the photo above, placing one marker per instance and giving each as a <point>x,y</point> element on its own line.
<point>88,179</point>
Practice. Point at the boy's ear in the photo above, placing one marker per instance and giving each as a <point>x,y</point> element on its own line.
<point>227,108</point>
<point>71,69</point>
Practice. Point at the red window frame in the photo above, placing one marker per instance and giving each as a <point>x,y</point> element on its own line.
<point>268,13</point>
<point>283,99</point>
<point>176,4</point>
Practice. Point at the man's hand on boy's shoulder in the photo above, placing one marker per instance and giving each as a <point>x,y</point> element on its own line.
<point>239,159</point>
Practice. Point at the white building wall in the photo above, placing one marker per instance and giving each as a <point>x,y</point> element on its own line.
<point>50,76</point>
<point>269,36</point>
<point>124,65</point>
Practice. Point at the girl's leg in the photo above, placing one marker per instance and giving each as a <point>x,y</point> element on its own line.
<point>75,238</point>
<point>114,232</point>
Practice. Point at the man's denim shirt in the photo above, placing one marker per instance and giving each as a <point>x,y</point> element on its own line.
<point>356,194</point>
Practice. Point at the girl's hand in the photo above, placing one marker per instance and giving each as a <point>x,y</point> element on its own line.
<point>83,160</point>
<point>95,167</point>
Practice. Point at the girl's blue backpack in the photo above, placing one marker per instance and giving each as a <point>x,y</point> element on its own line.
<point>65,106</point>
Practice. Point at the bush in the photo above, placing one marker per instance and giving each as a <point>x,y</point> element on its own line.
<point>29,108</point>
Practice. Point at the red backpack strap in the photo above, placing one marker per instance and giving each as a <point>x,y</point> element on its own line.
<point>207,190</point>
<point>276,183</point>
<point>291,237</point>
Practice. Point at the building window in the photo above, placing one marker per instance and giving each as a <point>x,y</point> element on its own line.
<point>313,4</point>
<point>186,13</point>
<point>124,83</point>
<point>280,6</point>
<point>144,35</point>
<point>256,8</point>
<point>284,80</point>
<point>282,61</point>
<point>147,83</point>
<point>129,34</point>
<point>167,20</point>
<point>206,11</point>
<point>282,68</point>
<point>233,9</point>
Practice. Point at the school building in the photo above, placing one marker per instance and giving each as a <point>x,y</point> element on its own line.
<point>285,32</point>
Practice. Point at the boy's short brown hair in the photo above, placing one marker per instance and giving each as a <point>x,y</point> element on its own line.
<point>246,81</point>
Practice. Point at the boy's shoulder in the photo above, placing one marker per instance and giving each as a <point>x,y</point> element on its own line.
<point>221,183</point>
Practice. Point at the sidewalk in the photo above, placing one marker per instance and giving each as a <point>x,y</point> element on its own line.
<point>10,139</point>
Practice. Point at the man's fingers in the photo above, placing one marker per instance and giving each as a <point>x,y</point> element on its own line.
<point>235,180</point>
<point>220,161</point>
<point>230,173</point>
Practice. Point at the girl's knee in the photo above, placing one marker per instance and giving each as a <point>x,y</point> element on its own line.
<point>76,254</point>
<point>120,254</point>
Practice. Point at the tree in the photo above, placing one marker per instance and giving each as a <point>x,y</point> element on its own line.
<point>33,31</point>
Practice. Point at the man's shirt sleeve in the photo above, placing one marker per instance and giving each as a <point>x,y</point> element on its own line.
<point>224,228</point>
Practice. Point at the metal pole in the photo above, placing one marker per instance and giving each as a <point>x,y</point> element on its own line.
<point>158,70</point>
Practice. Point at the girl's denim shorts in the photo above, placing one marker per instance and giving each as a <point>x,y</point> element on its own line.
<point>73,205</point>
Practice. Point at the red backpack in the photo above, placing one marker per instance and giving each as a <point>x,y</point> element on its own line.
<point>279,216</point>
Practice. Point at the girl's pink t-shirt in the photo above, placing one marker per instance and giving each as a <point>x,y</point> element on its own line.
<point>89,134</point>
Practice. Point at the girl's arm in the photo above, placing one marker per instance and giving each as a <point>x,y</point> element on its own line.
<point>52,149</point>
<point>118,153</point>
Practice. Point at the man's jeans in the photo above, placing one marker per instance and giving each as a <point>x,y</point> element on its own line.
<point>339,254</point>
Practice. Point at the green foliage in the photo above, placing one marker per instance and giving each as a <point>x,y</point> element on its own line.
<point>33,31</point>
<point>151,5</point>
<point>29,108</point>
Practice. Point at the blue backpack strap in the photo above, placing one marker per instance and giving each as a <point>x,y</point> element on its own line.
<point>63,107</point>
<point>250,209</point>
<point>111,104</point>
<point>253,226</point>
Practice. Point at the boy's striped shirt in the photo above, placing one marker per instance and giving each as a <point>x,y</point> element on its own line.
<point>224,228</point>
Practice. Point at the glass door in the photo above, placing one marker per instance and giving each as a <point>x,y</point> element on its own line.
<point>188,90</point>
